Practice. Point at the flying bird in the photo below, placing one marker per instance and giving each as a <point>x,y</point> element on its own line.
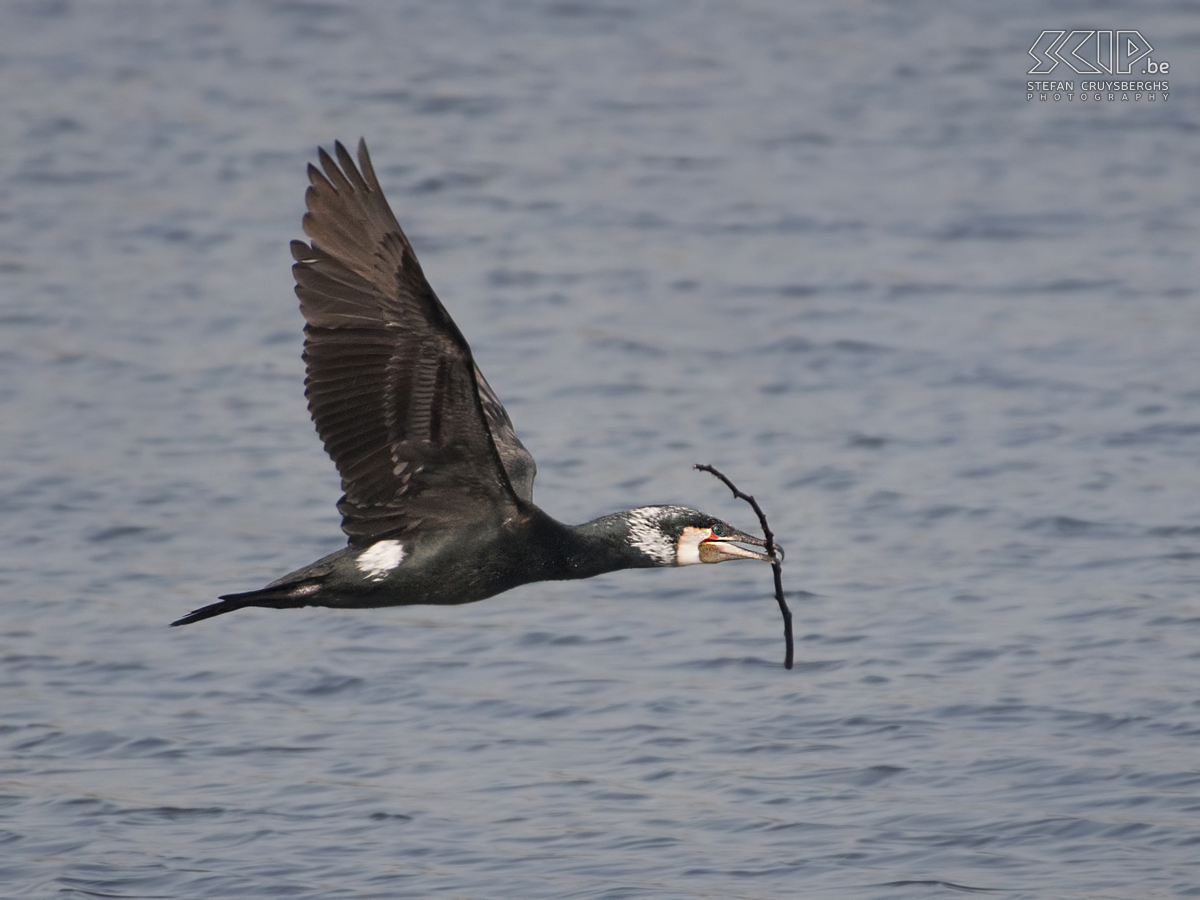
<point>438,504</point>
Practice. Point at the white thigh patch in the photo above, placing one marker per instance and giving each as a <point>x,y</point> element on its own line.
<point>379,559</point>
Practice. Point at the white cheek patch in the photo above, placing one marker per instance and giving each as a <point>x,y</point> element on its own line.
<point>379,559</point>
<point>688,550</point>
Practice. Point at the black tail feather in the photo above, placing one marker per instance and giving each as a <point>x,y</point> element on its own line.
<point>272,597</point>
<point>207,612</point>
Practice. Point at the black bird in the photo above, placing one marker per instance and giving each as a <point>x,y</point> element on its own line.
<point>438,501</point>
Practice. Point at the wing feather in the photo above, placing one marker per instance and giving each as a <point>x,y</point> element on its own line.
<point>418,435</point>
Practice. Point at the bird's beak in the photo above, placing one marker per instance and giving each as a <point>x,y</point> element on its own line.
<point>718,549</point>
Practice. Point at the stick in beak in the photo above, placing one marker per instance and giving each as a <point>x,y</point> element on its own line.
<point>774,554</point>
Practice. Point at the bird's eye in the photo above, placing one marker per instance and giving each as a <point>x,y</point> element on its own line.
<point>716,529</point>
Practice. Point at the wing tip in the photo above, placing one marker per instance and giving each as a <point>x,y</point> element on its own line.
<point>326,160</point>
<point>316,178</point>
<point>302,252</point>
<point>365,165</point>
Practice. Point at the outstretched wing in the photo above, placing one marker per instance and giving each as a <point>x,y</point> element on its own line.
<point>518,462</point>
<point>392,386</point>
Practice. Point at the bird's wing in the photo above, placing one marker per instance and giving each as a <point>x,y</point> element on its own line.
<point>392,386</point>
<point>518,462</point>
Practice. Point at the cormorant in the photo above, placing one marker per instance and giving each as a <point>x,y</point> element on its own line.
<point>438,501</point>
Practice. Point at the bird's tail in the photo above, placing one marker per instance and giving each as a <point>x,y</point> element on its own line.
<point>281,597</point>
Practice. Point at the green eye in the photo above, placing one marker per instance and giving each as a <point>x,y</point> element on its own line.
<point>717,530</point>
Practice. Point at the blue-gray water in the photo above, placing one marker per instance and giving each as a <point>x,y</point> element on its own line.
<point>947,337</point>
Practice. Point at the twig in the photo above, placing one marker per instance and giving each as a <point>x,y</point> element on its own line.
<point>776,566</point>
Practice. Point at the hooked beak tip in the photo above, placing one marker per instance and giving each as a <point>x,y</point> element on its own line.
<point>743,538</point>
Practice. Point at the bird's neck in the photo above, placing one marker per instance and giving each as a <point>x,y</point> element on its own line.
<point>593,548</point>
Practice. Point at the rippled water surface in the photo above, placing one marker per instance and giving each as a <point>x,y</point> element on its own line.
<point>947,337</point>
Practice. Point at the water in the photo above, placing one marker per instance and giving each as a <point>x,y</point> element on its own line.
<point>946,336</point>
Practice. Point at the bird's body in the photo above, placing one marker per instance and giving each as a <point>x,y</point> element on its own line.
<point>438,501</point>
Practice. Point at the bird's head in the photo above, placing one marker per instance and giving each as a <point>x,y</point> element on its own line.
<point>678,536</point>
